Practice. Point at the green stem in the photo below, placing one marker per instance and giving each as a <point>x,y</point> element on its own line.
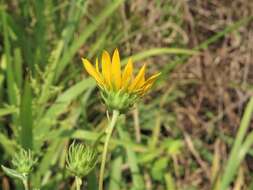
<point>78,182</point>
<point>108,136</point>
<point>25,182</point>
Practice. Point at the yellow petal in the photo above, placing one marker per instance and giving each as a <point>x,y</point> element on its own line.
<point>151,79</point>
<point>91,70</point>
<point>138,79</point>
<point>106,68</point>
<point>146,88</point>
<point>97,66</point>
<point>148,84</point>
<point>127,73</point>
<point>116,71</point>
<point>141,82</point>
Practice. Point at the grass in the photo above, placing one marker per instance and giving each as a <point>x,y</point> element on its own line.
<point>46,101</point>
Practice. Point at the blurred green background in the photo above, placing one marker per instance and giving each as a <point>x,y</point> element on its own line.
<point>186,134</point>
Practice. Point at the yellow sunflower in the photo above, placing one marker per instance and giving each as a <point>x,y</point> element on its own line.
<point>119,88</point>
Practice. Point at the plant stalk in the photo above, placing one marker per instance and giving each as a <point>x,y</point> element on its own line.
<point>25,183</point>
<point>78,182</point>
<point>108,132</point>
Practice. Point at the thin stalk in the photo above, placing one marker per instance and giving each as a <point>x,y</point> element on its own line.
<point>25,183</point>
<point>78,182</point>
<point>108,132</point>
<point>100,136</point>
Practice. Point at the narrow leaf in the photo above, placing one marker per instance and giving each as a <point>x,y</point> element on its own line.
<point>26,121</point>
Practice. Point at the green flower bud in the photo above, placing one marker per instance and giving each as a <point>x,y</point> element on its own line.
<point>81,159</point>
<point>118,100</point>
<point>24,161</point>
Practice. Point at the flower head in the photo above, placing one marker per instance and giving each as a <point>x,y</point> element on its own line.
<point>119,89</point>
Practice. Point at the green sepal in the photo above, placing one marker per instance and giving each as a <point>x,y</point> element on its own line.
<point>81,159</point>
<point>14,173</point>
<point>118,100</point>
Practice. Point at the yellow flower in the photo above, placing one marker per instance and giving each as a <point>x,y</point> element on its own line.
<point>116,83</point>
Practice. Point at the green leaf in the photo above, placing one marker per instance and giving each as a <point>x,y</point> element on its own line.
<point>173,146</point>
<point>116,173</point>
<point>170,182</point>
<point>159,168</point>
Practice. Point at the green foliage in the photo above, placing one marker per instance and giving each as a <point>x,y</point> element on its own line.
<point>45,102</point>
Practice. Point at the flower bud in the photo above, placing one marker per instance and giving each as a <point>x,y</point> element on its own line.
<point>81,159</point>
<point>24,161</point>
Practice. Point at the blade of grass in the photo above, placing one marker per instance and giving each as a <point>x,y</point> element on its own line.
<point>18,67</point>
<point>160,51</point>
<point>40,53</point>
<point>232,169</point>
<point>26,118</point>
<point>7,53</point>
<point>234,160</point>
<point>76,10</point>
<point>116,173</point>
